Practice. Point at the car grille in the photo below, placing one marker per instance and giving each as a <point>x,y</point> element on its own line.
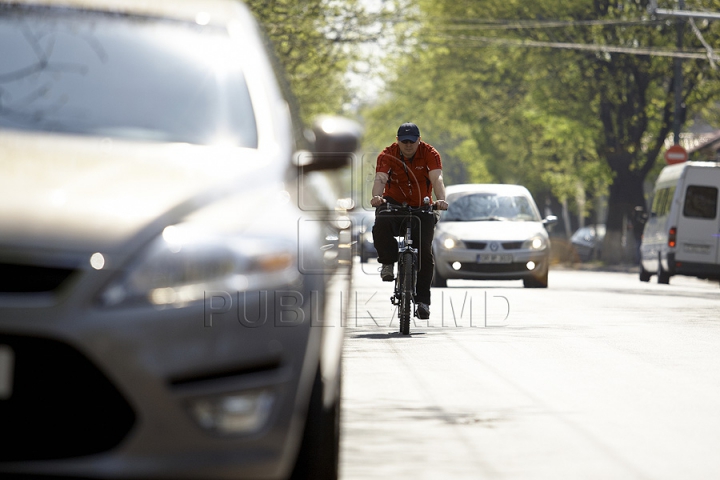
<point>475,245</point>
<point>61,405</point>
<point>31,279</point>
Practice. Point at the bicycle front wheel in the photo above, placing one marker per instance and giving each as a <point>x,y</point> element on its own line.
<point>405,271</point>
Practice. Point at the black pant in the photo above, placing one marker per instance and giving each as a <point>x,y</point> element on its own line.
<point>390,225</point>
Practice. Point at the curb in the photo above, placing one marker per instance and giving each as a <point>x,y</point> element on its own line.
<point>596,267</point>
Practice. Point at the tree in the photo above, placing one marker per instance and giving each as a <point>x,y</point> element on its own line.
<point>632,97</point>
<point>490,119</point>
<point>316,42</point>
<point>313,64</point>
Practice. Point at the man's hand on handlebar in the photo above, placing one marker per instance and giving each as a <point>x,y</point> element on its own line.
<point>441,205</point>
<point>377,200</point>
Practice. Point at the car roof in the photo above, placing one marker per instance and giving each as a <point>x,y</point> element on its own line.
<point>497,188</point>
<point>214,11</point>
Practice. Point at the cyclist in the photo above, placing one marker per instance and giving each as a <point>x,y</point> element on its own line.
<point>406,172</point>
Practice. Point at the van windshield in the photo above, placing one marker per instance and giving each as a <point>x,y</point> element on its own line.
<point>92,73</point>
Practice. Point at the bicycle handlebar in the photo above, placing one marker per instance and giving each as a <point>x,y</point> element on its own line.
<point>391,207</point>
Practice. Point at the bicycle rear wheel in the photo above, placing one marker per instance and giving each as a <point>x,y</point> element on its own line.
<point>405,271</point>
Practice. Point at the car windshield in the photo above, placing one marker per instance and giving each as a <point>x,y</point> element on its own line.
<point>121,76</point>
<point>489,207</point>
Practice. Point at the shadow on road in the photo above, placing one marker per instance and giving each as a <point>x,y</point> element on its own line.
<point>385,336</point>
<point>481,286</point>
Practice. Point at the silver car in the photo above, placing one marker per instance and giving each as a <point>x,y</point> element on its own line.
<point>170,306</point>
<point>587,242</point>
<point>491,232</point>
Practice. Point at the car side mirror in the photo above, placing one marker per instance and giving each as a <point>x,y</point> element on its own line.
<point>334,140</point>
<point>550,220</point>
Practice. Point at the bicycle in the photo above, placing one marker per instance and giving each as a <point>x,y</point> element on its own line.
<point>408,265</point>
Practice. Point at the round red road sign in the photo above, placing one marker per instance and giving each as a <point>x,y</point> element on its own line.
<point>676,154</point>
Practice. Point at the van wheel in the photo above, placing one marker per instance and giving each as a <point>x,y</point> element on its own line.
<point>663,276</point>
<point>644,274</point>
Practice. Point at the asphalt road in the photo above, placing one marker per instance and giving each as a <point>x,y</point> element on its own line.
<point>598,377</point>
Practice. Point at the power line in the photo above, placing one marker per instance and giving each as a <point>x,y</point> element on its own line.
<point>710,52</point>
<point>653,52</point>
<point>449,23</point>
<point>545,24</point>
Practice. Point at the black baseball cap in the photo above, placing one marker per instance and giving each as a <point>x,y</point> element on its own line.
<point>408,131</point>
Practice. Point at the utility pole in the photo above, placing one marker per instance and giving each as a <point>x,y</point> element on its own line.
<point>678,76</point>
<point>680,16</point>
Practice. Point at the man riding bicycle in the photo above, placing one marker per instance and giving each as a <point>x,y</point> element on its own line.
<point>407,171</point>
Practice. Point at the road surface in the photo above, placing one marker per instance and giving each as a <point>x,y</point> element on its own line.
<point>599,376</point>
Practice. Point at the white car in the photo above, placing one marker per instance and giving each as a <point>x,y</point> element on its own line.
<point>170,306</point>
<point>491,232</point>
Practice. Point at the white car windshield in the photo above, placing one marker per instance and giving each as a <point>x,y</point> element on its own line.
<point>475,207</point>
<point>121,76</point>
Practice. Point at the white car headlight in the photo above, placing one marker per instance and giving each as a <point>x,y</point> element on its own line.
<point>537,242</point>
<point>183,263</point>
<point>449,242</point>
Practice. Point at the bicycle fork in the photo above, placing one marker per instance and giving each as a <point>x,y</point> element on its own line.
<point>405,291</point>
<point>408,257</point>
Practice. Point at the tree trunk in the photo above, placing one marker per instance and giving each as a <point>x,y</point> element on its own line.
<point>623,230</point>
<point>566,219</point>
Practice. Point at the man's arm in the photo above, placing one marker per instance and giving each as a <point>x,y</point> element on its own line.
<point>378,188</point>
<point>436,178</point>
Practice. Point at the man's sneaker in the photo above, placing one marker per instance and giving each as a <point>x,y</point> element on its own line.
<point>422,311</point>
<point>387,272</point>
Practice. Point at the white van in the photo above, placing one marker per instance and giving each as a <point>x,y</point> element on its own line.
<point>682,233</point>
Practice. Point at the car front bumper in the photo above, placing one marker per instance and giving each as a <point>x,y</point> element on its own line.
<point>469,266</point>
<point>126,382</point>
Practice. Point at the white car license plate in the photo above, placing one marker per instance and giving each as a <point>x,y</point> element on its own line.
<point>494,258</point>
<point>7,361</point>
<point>696,249</point>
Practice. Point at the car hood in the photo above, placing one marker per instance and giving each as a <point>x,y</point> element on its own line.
<point>491,230</point>
<point>75,194</point>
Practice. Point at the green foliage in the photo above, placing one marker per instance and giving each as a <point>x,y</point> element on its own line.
<point>308,37</point>
<point>565,120</point>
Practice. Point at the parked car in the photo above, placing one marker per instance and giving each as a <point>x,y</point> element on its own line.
<point>587,242</point>
<point>363,221</point>
<point>680,236</point>
<point>492,232</point>
<point>158,279</point>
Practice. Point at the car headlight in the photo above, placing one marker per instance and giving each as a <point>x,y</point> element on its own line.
<point>183,263</point>
<point>537,242</point>
<point>449,242</point>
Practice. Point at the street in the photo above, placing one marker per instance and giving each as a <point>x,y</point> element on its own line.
<point>599,376</point>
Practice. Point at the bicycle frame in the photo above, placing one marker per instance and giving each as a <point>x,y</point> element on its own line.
<point>408,265</point>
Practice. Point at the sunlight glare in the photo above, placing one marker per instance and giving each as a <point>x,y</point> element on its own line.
<point>216,53</point>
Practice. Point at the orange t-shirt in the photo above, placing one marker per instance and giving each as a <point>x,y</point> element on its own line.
<point>408,181</point>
